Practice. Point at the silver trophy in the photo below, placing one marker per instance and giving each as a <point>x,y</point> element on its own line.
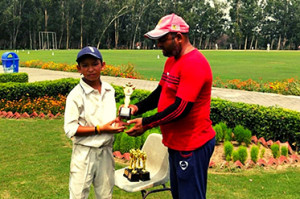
<point>125,111</point>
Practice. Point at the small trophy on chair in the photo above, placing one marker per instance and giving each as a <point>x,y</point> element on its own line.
<point>133,176</point>
<point>128,169</point>
<point>144,174</point>
<point>125,112</point>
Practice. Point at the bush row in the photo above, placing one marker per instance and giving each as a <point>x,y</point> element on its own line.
<point>268,122</point>
<point>13,77</point>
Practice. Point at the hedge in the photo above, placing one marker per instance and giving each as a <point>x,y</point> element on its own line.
<point>15,91</point>
<point>13,77</point>
<point>268,122</point>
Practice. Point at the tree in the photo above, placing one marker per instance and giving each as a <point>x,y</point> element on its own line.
<point>115,8</point>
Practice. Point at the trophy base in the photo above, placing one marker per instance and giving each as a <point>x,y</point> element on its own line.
<point>125,113</point>
<point>144,175</point>
<point>133,177</point>
<point>127,171</point>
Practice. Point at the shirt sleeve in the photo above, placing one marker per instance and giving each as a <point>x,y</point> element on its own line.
<point>193,76</point>
<point>150,102</point>
<point>175,111</point>
<point>71,123</point>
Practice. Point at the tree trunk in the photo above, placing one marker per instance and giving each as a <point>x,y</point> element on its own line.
<point>46,19</point>
<point>30,41</point>
<point>256,42</point>
<point>62,25</point>
<point>116,33</point>
<point>284,42</point>
<point>81,25</point>
<point>272,44</point>
<point>251,43</point>
<point>135,32</point>
<point>200,42</point>
<point>68,34</point>
<point>245,44</point>
<point>119,14</point>
<point>279,42</point>
<point>194,40</point>
<point>206,43</point>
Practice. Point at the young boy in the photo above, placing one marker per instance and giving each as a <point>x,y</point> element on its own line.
<point>90,122</point>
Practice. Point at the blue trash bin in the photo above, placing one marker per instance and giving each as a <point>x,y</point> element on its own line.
<point>10,62</point>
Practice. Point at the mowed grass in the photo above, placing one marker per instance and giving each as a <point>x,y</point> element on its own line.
<point>35,156</point>
<point>257,65</point>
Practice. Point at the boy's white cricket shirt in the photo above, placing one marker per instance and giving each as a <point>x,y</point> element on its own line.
<point>85,106</point>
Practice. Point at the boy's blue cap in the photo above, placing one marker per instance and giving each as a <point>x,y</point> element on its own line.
<point>89,50</point>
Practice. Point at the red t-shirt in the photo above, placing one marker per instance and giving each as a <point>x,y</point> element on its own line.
<point>189,78</point>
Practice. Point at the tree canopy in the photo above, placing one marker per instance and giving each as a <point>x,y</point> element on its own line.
<point>121,24</point>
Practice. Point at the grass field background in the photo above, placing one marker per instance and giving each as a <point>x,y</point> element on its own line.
<point>35,160</point>
<point>257,65</point>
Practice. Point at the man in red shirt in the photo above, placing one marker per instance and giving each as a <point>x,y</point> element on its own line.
<point>182,99</point>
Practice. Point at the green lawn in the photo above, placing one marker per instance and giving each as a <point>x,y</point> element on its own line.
<point>35,156</point>
<point>268,66</point>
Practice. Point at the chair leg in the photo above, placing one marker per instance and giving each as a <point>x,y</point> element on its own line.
<point>146,193</point>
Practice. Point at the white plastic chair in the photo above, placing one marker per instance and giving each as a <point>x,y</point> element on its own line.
<point>157,164</point>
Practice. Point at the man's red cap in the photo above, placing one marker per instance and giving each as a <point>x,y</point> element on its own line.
<point>168,23</point>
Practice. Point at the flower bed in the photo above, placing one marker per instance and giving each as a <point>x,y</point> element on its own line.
<point>125,71</point>
<point>286,87</point>
<point>44,104</point>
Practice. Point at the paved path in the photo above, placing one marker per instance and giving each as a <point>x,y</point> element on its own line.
<point>250,97</point>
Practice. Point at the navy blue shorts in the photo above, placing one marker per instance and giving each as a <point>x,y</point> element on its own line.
<point>188,171</point>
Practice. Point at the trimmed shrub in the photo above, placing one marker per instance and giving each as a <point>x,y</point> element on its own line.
<point>228,148</point>
<point>219,133</point>
<point>228,134</point>
<point>269,122</point>
<point>247,137</point>
<point>235,156</point>
<point>254,153</point>
<point>275,150</point>
<point>126,143</point>
<point>117,141</point>
<point>243,154</point>
<point>242,134</point>
<point>14,77</point>
<point>228,158</point>
<point>284,151</point>
<point>238,133</point>
<point>262,152</point>
<point>138,142</point>
<point>16,91</point>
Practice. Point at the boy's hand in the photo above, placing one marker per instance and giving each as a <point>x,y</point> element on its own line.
<point>117,128</point>
<point>120,123</point>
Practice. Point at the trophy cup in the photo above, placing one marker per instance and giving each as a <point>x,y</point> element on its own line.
<point>129,168</point>
<point>144,174</point>
<point>125,112</point>
<point>133,176</point>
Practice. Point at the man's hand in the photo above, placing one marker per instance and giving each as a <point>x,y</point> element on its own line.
<point>133,107</point>
<point>137,129</point>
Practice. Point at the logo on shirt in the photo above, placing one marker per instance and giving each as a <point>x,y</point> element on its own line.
<point>183,165</point>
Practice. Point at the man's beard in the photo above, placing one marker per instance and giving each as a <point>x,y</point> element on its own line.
<point>175,50</point>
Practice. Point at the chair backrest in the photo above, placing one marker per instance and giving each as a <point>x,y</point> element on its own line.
<point>157,155</point>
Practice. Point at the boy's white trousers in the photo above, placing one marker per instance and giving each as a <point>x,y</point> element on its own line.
<point>91,165</point>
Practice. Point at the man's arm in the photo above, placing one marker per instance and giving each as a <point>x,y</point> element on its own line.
<point>175,111</point>
<point>150,102</point>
